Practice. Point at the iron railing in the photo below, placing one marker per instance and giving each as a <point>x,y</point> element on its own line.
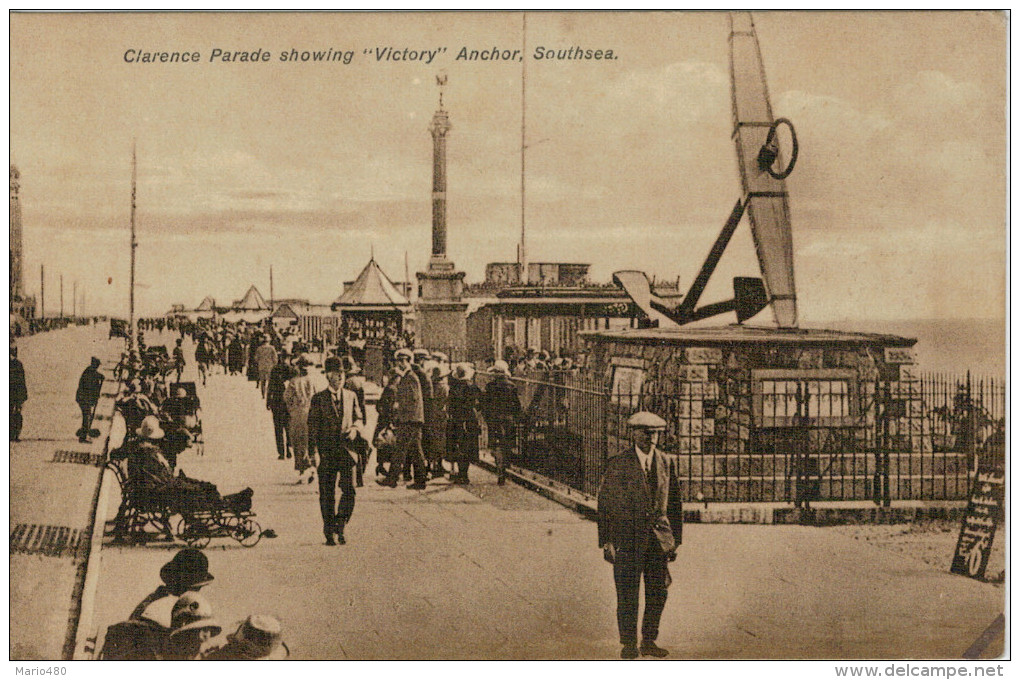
<point>787,438</point>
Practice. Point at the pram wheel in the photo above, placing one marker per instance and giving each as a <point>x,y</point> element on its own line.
<point>246,531</point>
<point>193,532</point>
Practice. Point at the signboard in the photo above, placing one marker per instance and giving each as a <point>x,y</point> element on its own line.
<point>984,512</point>
<point>899,355</point>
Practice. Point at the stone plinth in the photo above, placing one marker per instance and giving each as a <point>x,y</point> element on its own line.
<point>441,325</point>
<point>441,316</point>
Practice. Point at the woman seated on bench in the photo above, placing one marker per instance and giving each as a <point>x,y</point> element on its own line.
<point>148,467</point>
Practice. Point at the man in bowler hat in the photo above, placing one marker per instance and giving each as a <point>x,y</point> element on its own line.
<point>188,571</point>
<point>640,519</point>
<point>333,418</point>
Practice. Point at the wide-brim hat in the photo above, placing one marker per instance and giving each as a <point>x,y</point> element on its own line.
<point>189,568</point>
<point>421,354</point>
<point>644,420</point>
<point>500,367</point>
<point>198,624</point>
<point>464,371</point>
<point>261,636</point>
<point>403,352</point>
<point>150,428</point>
<point>193,612</point>
<point>441,357</point>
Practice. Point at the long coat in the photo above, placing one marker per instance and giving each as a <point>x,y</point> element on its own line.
<point>235,355</point>
<point>462,424</point>
<point>435,421</point>
<point>408,401</point>
<point>502,406</point>
<point>278,377</point>
<point>89,386</point>
<point>327,428</point>
<point>265,359</point>
<point>631,512</point>
<point>297,394</point>
<point>19,389</point>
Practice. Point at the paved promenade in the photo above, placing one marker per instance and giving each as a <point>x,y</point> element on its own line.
<point>51,495</point>
<point>489,572</point>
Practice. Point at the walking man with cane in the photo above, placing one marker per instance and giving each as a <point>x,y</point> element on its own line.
<point>87,396</point>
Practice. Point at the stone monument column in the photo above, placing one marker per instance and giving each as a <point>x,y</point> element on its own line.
<point>441,314</point>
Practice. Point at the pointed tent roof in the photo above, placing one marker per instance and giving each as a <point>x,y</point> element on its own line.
<point>252,300</point>
<point>206,305</point>
<point>372,287</point>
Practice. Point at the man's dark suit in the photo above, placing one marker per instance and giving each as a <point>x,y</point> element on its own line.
<point>328,423</point>
<point>641,516</point>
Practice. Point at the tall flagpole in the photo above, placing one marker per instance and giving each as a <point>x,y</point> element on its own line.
<point>270,286</point>
<point>522,253</point>
<point>134,244</point>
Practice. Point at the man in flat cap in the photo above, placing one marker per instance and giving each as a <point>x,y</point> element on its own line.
<point>407,413</point>
<point>640,526</point>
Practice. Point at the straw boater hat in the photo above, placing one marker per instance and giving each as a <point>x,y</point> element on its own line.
<point>192,612</point>
<point>441,357</point>
<point>464,371</point>
<point>501,367</point>
<point>150,429</point>
<point>261,637</point>
<point>403,352</point>
<point>643,420</point>
<point>188,569</point>
<point>421,354</point>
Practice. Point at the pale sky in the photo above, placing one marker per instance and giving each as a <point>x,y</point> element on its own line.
<point>897,201</point>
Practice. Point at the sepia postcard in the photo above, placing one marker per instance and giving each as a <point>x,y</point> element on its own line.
<point>509,335</point>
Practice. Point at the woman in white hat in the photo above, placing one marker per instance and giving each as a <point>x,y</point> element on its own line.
<point>192,627</point>
<point>258,638</point>
<point>462,427</point>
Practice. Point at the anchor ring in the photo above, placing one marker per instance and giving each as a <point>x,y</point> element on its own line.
<point>770,150</point>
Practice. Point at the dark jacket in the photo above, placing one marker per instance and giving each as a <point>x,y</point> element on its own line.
<point>19,389</point>
<point>465,400</point>
<point>278,378</point>
<point>408,402</point>
<point>89,386</point>
<point>327,427</point>
<point>631,512</point>
<point>502,403</point>
<point>384,407</point>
